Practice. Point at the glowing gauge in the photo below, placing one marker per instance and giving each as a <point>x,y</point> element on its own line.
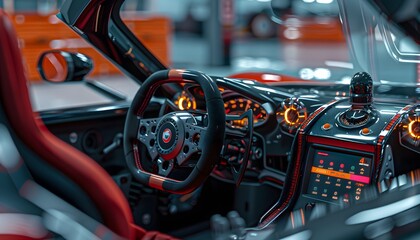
<point>410,130</point>
<point>185,101</point>
<point>237,106</point>
<point>291,114</point>
<point>414,128</point>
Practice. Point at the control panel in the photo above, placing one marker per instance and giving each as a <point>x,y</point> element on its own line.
<point>335,175</point>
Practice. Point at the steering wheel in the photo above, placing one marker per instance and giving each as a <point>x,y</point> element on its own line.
<point>173,138</point>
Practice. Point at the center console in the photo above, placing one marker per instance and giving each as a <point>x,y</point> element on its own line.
<point>339,150</point>
<point>343,154</point>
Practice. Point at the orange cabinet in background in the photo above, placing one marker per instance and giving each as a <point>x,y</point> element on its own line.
<point>37,33</point>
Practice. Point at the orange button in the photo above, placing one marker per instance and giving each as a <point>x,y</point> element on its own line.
<point>326,126</point>
<point>365,131</point>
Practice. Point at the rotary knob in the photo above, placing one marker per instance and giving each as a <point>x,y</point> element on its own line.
<point>355,117</point>
<point>291,114</point>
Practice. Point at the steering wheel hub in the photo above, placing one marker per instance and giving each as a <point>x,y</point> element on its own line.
<point>170,136</point>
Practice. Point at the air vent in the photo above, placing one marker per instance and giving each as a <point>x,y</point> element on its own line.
<point>92,141</point>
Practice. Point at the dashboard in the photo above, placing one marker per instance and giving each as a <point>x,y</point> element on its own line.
<point>309,146</point>
<point>319,143</point>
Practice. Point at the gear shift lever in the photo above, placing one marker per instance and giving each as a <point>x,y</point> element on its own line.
<point>361,99</point>
<point>361,90</point>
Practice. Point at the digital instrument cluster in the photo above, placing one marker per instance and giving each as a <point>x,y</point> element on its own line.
<point>239,105</point>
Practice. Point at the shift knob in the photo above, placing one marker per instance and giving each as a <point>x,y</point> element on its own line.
<point>361,90</point>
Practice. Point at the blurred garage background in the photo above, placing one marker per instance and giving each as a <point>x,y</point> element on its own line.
<point>219,37</point>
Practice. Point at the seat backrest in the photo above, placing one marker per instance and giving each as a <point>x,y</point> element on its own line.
<point>19,218</point>
<point>30,130</point>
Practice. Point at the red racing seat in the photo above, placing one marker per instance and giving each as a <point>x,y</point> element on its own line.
<point>56,166</point>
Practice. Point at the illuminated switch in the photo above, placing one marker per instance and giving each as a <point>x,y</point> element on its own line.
<point>326,126</point>
<point>365,131</point>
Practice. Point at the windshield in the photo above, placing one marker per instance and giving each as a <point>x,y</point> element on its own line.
<point>313,40</point>
<point>377,45</point>
<point>307,39</point>
<point>231,36</point>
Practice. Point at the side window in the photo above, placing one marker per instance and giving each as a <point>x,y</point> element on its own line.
<point>153,30</point>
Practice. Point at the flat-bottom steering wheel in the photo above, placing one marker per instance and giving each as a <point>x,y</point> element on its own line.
<point>173,138</point>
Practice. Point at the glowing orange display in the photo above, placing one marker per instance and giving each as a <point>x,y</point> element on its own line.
<point>342,175</point>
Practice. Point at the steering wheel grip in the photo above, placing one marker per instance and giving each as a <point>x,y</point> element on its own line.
<point>213,139</point>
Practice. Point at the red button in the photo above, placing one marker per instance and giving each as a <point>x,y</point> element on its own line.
<point>326,126</point>
<point>365,131</point>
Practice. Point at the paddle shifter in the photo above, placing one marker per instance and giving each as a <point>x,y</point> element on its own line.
<point>361,93</point>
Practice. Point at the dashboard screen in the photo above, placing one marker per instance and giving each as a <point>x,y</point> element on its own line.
<point>335,174</point>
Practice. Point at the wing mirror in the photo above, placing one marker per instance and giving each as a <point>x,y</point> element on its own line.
<point>60,66</point>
